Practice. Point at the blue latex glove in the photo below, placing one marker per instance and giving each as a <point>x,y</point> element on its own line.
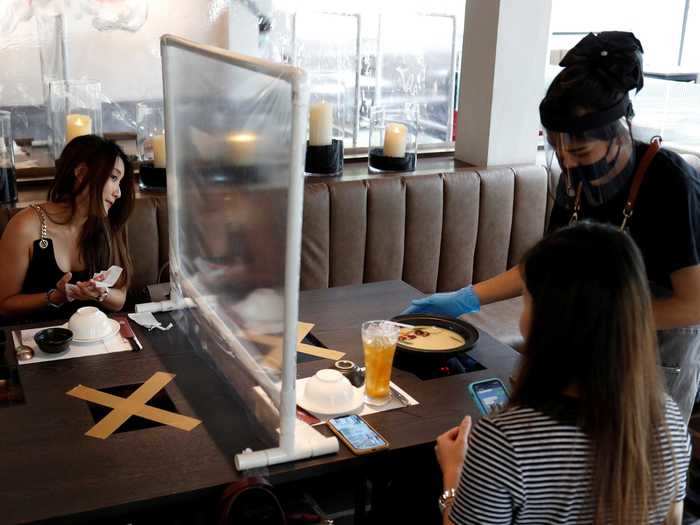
<point>454,304</point>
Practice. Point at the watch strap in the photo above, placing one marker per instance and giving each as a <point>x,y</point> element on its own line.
<point>48,299</point>
<point>446,499</point>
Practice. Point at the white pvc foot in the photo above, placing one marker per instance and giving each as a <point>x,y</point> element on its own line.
<point>308,443</point>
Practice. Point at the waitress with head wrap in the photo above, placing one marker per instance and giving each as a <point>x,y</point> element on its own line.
<point>607,176</point>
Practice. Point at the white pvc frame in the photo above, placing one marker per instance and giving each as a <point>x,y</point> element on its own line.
<point>297,440</point>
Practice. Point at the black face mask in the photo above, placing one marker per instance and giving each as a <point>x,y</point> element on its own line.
<point>597,195</point>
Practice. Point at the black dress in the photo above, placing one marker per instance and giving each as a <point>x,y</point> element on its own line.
<point>42,275</point>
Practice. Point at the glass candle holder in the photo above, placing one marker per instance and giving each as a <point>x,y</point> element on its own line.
<point>324,149</point>
<point>8,179</point>
<point>150,132</point>
<point>75,109</point>
<point>393,138</point>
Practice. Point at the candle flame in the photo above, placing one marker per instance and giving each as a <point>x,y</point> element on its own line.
<point>241,137</point>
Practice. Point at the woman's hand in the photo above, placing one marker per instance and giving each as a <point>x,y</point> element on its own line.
<point>450,449</point>
<point>60,296</point>
<point>89,291</point>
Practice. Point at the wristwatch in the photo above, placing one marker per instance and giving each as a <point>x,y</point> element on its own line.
<point>446,499</point>
<point>48,299</point>
<point>103,295</point>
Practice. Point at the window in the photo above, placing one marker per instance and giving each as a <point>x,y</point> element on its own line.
<point>399,54</point>
<point>669,104</point>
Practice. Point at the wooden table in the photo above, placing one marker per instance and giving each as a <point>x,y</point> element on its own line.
<point>51,470</point>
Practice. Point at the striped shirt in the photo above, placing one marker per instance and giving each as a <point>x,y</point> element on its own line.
<point>524,466</point>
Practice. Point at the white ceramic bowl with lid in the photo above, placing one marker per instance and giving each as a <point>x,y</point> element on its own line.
<point>89,323</point>
<point>330,392</point>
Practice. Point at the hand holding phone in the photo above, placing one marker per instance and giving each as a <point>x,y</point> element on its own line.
<point>490,395</point>
<point>356,433</point>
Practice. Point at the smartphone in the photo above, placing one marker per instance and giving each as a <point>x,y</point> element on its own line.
<point>490,395</point>
<point>356,433</point>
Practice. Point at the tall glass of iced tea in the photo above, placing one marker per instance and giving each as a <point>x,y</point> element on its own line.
<point>379,342</point>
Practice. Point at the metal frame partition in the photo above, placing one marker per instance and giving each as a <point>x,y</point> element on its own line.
<point>296,439</point>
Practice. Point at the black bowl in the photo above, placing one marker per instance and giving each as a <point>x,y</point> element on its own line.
<point>53,340</point>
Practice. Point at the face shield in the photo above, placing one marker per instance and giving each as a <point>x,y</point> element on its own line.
<point>596,160</point>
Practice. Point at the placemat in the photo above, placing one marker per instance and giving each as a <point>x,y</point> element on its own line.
<point>115,343</point>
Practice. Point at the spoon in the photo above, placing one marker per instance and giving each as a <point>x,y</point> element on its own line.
<point>23,352</point>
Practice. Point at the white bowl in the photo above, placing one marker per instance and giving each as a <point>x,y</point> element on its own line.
<point>262,311</point>
<point>330,392</point>
<point>89,323</point>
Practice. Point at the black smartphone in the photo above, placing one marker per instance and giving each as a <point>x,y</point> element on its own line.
<point>489,395</point>
<point>357,434</point>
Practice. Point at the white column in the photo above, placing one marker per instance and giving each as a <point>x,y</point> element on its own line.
<point>502,80</point>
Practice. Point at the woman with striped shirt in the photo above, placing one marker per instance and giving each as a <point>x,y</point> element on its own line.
<point>589,435</point>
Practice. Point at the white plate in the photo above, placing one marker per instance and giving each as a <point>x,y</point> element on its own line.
<point>357,402</point>
<point>113,330</point>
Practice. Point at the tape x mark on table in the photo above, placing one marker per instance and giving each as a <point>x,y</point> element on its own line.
<point>134,405</point>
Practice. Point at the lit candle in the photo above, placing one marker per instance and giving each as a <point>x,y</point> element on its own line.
<point>159,158</point>
<point>395,140</point>
<point>77,125</point>
<point>241,148</point>
<point>320,124</point>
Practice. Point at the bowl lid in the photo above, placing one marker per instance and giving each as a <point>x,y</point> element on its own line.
<point>358,399</point>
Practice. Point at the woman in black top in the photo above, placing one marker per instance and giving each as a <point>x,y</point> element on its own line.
<point>586,115</point>
<point>589,435</point>
<point>80,231</point>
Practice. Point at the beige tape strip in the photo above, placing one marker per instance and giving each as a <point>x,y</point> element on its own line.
<point>124,408</point>
<point>303,330</point>
<point>273,358</point>
<point>317,351</point>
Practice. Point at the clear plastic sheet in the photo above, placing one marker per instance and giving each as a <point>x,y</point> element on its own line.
<point>234,201</point>
<point>597,163</point>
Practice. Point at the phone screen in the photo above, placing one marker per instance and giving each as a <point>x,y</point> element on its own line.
<point>492,394</point>
<point>357,433</point>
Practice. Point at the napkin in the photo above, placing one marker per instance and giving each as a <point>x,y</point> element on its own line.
<point>111,276</point>
<point>148,321</point>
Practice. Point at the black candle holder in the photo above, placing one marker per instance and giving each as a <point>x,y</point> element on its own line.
<point>380,162</point>
<point>324,160</point>
<point>8,186</point>
<point>236,174</point>
<point>152,178</point>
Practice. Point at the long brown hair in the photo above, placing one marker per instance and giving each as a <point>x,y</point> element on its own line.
<point>103,239</point>
<point>592,329</point>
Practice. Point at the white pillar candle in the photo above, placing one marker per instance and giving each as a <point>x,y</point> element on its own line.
<point>395,140</point>
<point>321,124</point>
<point>77,125</point>
<point>159,158</point>
<point>241,148</point>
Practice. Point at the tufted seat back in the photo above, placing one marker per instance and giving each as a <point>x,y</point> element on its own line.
<point>436,232</point>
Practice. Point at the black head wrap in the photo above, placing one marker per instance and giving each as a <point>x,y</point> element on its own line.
<point>592,89</point>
